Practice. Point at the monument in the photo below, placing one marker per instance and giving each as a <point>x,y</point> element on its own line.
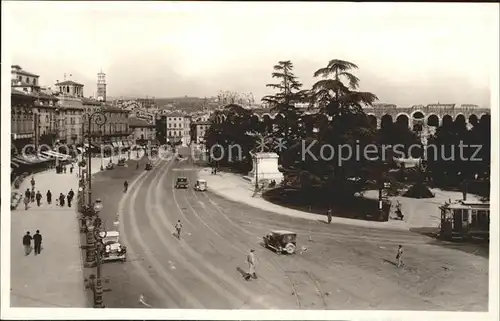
<point>265,167</point>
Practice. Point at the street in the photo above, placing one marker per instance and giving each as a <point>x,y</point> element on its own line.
<point>336,266</point>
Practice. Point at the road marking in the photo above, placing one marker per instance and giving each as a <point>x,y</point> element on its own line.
<point>161,294</point>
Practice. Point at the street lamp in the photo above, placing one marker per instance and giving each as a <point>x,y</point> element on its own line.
<point>95,235</point>
<point>99,118</point>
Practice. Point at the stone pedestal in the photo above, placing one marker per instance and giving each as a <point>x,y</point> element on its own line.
<point>265,167</point>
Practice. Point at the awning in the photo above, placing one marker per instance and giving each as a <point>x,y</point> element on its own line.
<point>81,150</point>
<point>86,145</point>
<point>115,145</point>
<point>22,160</point>
<point>125,143</point>
<point>120,144</point>
<point>52,153</point>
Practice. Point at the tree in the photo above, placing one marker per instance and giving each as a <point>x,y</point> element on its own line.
<point>236,133</point>
<point>283,101</point>
<point>337,97</point>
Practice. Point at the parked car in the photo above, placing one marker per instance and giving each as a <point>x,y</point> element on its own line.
<point>149,166</point>
<point>281,241</point>
<point>182,182</point>
<point>121,162</point>
<point>112,249</point>
<point>110,166</point>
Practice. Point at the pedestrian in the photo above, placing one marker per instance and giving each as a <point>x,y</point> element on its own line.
<point>38,198</point>
<point>329,215</point>
<point>71,169</point>
<point>33,182</point>
<point>49,197</point>
<point>61,199</point>
<point>178,228</point>
<point>32,194</point>
<point>64,169</point>
<point>125,186</point>
<point>27,243</point>
<point>26,202</point>
<point>70,196</point>
<point>37,238</point>
<point>27,194</point>
<point>399,256</point>
<point>252,261</point>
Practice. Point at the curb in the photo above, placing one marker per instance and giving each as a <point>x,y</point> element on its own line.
<point>350,222</point>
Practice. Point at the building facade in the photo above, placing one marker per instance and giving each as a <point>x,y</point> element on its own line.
<point>24,81</point>
<point>45,119</point>
<point>68,118</point>
<point>178,129</point>
<point>22,129</point>
<point>114,132</point>
<point>70,88</point>
<point>143,132</point>
<point>198,131</point>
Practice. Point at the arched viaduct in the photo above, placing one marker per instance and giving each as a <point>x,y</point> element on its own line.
<point>415,117</point>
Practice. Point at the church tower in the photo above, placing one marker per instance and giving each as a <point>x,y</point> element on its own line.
<point>101,86</point>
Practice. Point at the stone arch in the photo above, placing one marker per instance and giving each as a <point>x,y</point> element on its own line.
<point>433,120</point>
<point>403,119</point>
<point>255,118</point>
<point>459,115</point>
<point>417,114</point>
<point>266,115</point>
<point>485,118</point>
<point>473,119</point>
<point>372,120</point>
<point>447,120</point>
<point>385,121</point>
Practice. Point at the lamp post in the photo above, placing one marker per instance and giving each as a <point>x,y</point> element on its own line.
<point>99,118</point>
<point>95,234</point>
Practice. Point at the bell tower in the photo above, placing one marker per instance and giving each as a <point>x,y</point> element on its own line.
<point>101,86</point>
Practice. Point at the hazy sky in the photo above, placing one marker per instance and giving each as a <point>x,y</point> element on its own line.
<point>407,53</point>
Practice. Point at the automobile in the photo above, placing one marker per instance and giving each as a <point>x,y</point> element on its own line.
<point>201,185</point>
<point>181,182</point>
<point>121,162</point>
<point>112,249</point>
<point>149,166</point>
<point>281,241</point>
<point>110,166</point>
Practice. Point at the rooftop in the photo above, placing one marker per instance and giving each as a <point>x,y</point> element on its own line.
<point>68,83</point>
<point>92,102</point>
<point>20,70</point>
<point>138,122</point>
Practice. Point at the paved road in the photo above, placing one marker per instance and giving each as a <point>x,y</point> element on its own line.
<point>344,267</point>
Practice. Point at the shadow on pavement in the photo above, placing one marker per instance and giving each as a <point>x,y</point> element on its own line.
<point>389,262</point>
<point>474,246</point>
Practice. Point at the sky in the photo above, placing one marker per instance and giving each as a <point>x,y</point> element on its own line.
<point>407,53</point>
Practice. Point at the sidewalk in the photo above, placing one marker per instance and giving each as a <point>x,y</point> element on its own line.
<point>418,212</point>
<point>55,277</point>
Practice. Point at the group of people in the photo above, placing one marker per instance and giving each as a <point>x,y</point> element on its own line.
<point>37,241</point>
<point>30,196</point>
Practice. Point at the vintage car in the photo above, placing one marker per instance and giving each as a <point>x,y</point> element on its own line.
<point>121,162</point>
<point>112,249</point>
<point>149,166</point>
<point>181,182</point>
<point>110,166</point>
<point>201,185</point>
<point>281,241</point>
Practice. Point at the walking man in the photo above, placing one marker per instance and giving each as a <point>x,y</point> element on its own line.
<point>32,194</point>
<point>329,215</point>
<point>61,199</point>
<point>399,256</point>
<point>37,238</point>
<point>27,243</point>
<point>27,194</point>
<point>178,228</point>
<point>251,260</point>
<point>33,182</point>
<point>38,198</point>
<point>70,196</point>
<point>125,186</point>
<point>26,202</point>
<point>49,197</point>
<point>71,169</point>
